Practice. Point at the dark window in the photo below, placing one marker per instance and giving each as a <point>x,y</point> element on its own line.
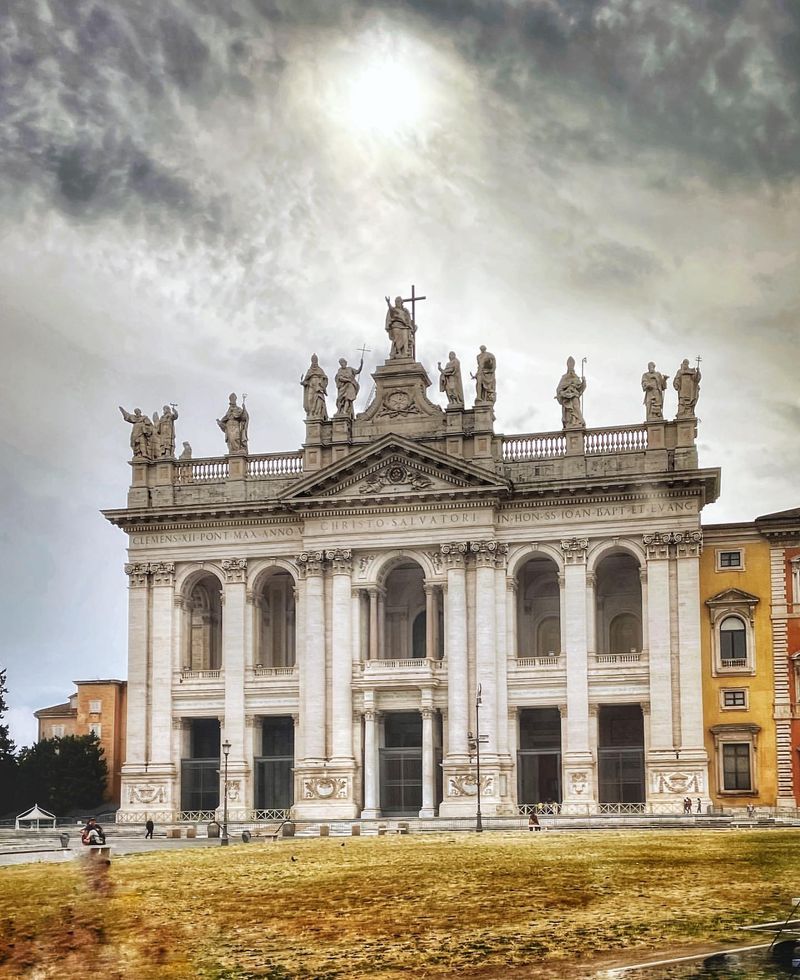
<point>418,651</point>
<point>205,738</point>
<point>540,728</point>
<point>736,766</point>
<point>402,729</point>
<point>734,699</point>
<point>730,559</point>
<point>732,640</point>
<point>199,784</point>
<point>277,736</point>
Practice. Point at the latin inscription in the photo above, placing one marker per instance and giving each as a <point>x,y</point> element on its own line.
<point>598,512</point>
<point>409,521</point>
<point>212,536</point>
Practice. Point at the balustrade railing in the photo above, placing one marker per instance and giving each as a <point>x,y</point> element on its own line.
<point>197,816</point>
<point>201,675</point>
<point>275,464</point>
<point>538,661</point>
<point>543,445</point>
<point>599,442</point>
<point>274,671</point>
<point>618,658</point>
<point>268,815</point>
<point>415,664</point>
<point>201,470</point>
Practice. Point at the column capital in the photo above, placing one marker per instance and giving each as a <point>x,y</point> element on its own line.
<point>163,572</point>
<point>688,544</point>
<point>341,560</point>
<point>427,712</point>
<point>179,724</point>
<point>488,554</point>
<point>234,569</point>
<point>574,550</point>
<point>369,714</point>
<point>436,560</point>
<point>138,573</point>
<point>453,554</point>
<point>645,706</point>
<point>310,563</point>
<point>591,579</point>
<point>357,592</point>
<point>179,601</point>
<point>656,545</point>
<point>593,710</point>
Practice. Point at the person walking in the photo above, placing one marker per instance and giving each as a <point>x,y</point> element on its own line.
<point>149,827</point>
<point>533,821</point>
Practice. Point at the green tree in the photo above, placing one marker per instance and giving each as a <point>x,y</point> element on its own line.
<point>63,774</point>
<point>8,759</point>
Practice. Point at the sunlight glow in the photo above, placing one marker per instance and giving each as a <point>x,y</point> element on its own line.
<point>386,94</point>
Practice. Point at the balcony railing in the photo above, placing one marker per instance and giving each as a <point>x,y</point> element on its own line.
<point>631,439</point>
<point>275,464</point>
<point>541,445</point>
<point>737,664</point>
<point>201,470</point>
<point>618,658</point>
<point>418,663</point>
<point>553,445</point>
<point>200,675</point>
<point>523,662</point>
<point>274,671</point>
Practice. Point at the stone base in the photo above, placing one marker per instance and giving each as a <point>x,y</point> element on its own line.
<point>325,793</point>
<point>461,791</point>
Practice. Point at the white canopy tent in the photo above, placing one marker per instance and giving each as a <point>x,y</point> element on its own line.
<point>33,818</point>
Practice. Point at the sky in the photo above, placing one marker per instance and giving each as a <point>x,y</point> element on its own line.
<point>195,196</point>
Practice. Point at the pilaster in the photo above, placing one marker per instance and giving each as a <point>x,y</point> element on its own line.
<point>164,616</point>
<point>342,656</point>
<point>234,594</point>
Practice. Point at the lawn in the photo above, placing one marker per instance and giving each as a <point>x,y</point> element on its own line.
<point>445,905</point>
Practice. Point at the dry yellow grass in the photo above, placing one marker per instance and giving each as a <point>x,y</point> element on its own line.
<point>500,905</point>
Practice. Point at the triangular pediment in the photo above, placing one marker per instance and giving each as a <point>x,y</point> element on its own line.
<point>731,597</point>
<point>394,468</point>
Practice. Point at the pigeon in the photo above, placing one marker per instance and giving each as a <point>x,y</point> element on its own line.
<point>294,858</point>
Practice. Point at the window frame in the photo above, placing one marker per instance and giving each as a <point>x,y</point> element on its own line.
<point>744,691</point>
<point>719,552</point>
<point>98,710</point>
<point>729,734</point>
<point>96,728</point>
<point>741,605</point>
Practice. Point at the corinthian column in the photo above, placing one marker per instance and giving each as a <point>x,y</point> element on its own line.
<point>342,657</point>
<point>658,643</point>
<point>688,545</point>
<point>233,658</point>
<point>578,763</point>
<point>485,555</point>
<point>163,573</point>
<point>428,764</point>
<point>312,661</point>
<point>457,662</point>
<point>370,810</point>
<point>138,644</point>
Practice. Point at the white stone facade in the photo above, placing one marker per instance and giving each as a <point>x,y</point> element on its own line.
<point>357,594</point>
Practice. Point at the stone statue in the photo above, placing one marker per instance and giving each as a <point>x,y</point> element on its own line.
<point>654,384</point>
<point>687,383</point>
<point>401,329</point>
<point>165,431</point>
<point>485,380</point>
<point>187,451</point>
<point>347,387</point>
<point>141,433</point>
<point>568,394</point>
<point>234,424</point>
<point>450,381</point>
<point>315,388</point>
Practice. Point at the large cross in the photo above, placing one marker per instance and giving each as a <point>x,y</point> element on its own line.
<point>413,300</point>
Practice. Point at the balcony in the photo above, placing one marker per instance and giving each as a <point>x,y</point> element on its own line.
<point>391,673</point>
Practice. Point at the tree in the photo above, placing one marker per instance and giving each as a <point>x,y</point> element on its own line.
<point>63,774</point>
<point>8,759</point>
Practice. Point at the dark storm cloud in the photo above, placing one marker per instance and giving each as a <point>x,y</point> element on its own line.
<point>718,80</point>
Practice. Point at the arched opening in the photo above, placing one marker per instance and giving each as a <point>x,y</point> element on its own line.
<point>538,609</point>
<point>275,620</point>
<point>732,641</point>
<point>203,643</point>
<point>405,618</point>
<point>618,598</point>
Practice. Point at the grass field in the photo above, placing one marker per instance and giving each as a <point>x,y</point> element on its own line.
<point>500,905</point>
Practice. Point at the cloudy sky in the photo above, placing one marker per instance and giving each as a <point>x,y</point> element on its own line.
<point>195,195</point>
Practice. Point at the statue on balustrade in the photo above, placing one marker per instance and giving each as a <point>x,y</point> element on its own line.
<point>485,378</point>
<point>234,424</point>
<point>450,381</point>
<point>347,387</point>
<point>187,451</point>
<point>401,328</point>
<point>568,394</point>
<point>687,383</point>
<point>654,384</point>
<point>315,388</point>
<point>141,433</point>
<point>164,428</point>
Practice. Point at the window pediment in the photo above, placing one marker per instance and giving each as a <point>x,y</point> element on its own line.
<point>735,601</point>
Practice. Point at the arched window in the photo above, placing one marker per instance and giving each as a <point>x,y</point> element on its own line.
<point>204,633</point>
<point>538,609</point>
<point>418,637</point>
<point>275,621</point>
<point>548,640</point>
<point>732,641</point>
<point>404,612</point>
<point>625,634</point>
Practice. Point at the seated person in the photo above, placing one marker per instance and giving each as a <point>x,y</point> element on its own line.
<point>92,833</point>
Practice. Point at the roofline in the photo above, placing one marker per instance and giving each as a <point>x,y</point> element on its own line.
<point>110,680</point>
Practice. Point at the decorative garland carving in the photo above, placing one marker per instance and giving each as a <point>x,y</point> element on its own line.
<point>326,787</point>
<point>466,784</point>
<point>147,793</point>
<point>395,476</point>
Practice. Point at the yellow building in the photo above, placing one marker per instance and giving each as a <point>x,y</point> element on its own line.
<point>738,681</point>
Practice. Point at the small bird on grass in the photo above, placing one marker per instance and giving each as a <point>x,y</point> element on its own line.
<point>294,858</point>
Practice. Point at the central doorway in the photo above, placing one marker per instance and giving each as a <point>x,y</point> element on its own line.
<point>620,754</point>
<point>274,767</point>
<point>539,756</point>
<point>401,764</point>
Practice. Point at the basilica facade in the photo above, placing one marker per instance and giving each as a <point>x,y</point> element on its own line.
<point>341,627</point>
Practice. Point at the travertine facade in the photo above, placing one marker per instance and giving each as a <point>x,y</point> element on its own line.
<point>332,612</point>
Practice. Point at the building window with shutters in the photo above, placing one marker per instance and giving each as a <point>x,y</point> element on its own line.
<point>732,616</point>
<point>736,756</point>
<point>95,707</point>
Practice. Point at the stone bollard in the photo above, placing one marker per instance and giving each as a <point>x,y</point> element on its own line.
<point>402,827</point>
<point>324,830</point>
<point>174,833</point>
<point>191,832</point>
<point>287,829</point>
<point>355,829</point>
<point>213,829</point>
<point>246,836</point>
<point>381,830</point>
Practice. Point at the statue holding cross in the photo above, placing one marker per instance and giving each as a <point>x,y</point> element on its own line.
<point>401,326</point>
